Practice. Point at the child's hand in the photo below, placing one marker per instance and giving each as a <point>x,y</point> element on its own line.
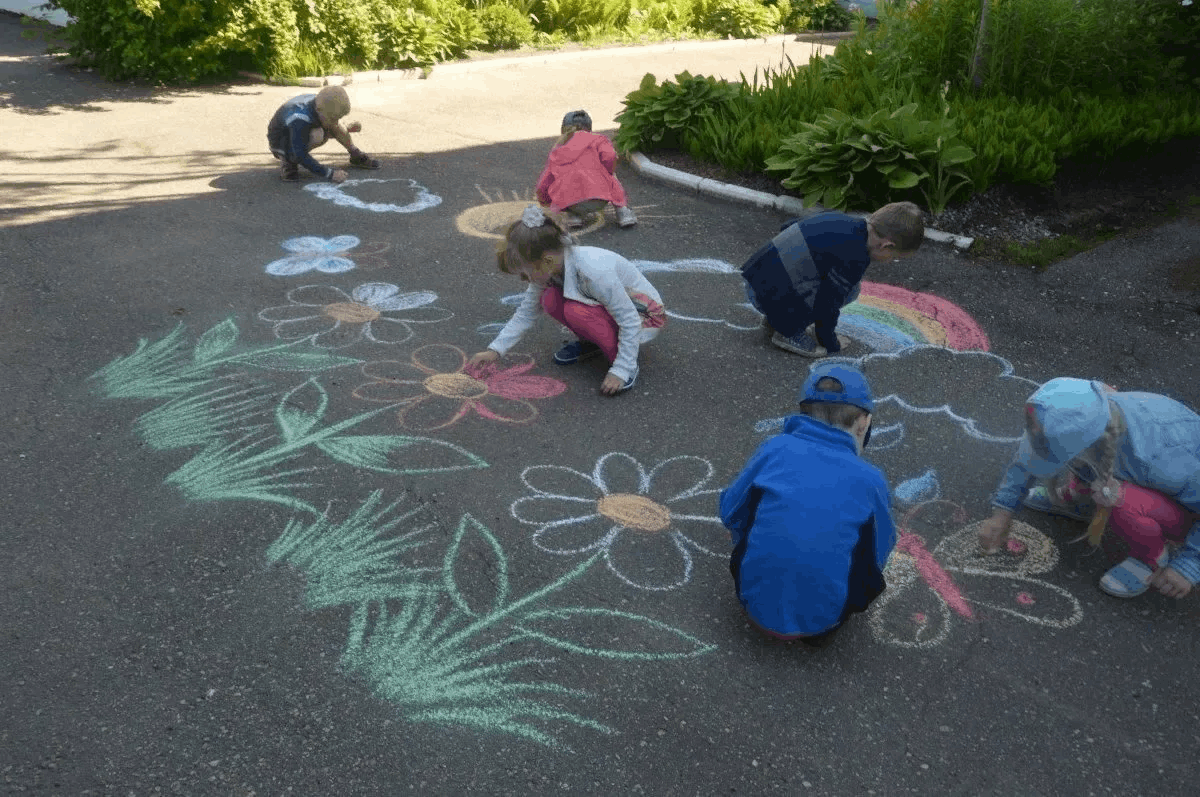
<point>338,176</point>
<point>993,532</point>
<point>611,385</point>
<point>483,358</point>
<point>1170,582</point>
<point>354,127</point>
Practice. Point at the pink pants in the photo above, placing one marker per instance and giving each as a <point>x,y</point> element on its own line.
<point>592,321</point>
<point>1146,519</point>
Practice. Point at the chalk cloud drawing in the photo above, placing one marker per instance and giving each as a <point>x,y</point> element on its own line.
<point>330,318</point>
<point>645,524</point>
<point>336,193</point>
<point>436,388</point>
<point>927,588</point>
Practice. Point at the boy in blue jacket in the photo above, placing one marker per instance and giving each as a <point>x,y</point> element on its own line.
<point>809,517</point>
<point>812,269</point>
<point>306,122</point>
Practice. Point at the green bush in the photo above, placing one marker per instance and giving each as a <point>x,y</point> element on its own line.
<point>572,16</point>
<point>742,19</point>
<point>816,15</point>
<point>505,28</point>
<point>666,116</point>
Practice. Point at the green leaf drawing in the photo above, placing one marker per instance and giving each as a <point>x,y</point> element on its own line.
<point>295,422</point>
<point>558,627</point>
<point>357,561</point>
<point>196,420</point>
<point>453,685</point>
<point>216,341</point>
<point>496,575</point>
<point>373,452</point>
<point>153,370</point>
<point>277,358</point>
<point>240,471</point>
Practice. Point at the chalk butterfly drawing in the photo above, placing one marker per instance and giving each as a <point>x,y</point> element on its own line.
<point>646,524</point>
<point>927,589</point>
<point>327,255</point>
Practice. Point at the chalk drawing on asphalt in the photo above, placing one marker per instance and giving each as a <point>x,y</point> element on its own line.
<point>330,318</point>
<point>645,524</point>
<point>327,255</point>
<point>436,388</point>
<point>435,626</point>
<point>418,196</point>
<point>927,589</point>
<point>501,208</point>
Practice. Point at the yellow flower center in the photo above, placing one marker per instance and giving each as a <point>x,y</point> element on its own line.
<point>456,386</point>
<point>635,512</point>
<point>350,312</point>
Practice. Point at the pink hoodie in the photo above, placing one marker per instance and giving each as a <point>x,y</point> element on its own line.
<point>580,169</point>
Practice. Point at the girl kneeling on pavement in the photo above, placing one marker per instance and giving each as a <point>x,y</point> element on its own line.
<point>597,294</point>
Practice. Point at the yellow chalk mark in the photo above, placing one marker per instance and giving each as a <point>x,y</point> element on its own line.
<point>933,332</point>
<point>635,512</point>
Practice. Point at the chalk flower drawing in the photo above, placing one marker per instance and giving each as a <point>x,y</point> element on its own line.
<point>647,524</point>
<point>436,388</point>
<point>330,318</point>
<point>310,253</point>
<point>927,588</point>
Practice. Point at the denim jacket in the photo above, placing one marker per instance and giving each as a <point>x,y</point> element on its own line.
<point>1160,451</point>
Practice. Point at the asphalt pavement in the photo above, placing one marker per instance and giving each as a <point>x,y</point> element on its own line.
<point>264,536</point>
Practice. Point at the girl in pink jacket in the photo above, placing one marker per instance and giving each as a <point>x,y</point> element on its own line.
<point>579,178</point>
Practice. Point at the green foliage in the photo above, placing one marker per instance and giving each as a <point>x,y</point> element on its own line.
<point>742,19</point>
<point>816,15</point>
<point>571,16</point>
<point>666,115</point>
<point>410,38</point>
<point>842,161</point>
<point>505,28</point>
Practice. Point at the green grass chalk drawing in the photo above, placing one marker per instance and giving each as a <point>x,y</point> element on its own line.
<point>446,644</point>
<point>164,369</point>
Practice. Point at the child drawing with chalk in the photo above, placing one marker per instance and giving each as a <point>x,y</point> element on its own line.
<point>578,178</point>
<point>597,294</point>
<point>306,122</point>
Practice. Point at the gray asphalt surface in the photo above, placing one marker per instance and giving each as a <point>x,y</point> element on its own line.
<point>222,574</point>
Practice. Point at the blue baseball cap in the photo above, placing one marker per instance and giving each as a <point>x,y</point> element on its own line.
<point>1073,414</point>
<point>855,388</point>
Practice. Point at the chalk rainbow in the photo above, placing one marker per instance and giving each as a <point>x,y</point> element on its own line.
<point>888,318</point>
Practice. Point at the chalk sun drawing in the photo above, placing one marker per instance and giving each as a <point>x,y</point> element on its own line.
<point>336,193</point>
<point>501,208</point>
<point>436,388</point>
<point>330,318</point>
<point>928,588</point>
<point>327,255</point>
<point>645,524</point>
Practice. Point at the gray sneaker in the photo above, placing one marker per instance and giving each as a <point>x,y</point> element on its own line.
<point>800,343</point>
<point>626,217</point>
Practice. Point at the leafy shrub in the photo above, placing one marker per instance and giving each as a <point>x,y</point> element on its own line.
<point>841,161</point>
<point>816,15</point>
<point>409,38</point>
<point>742,19</point>
<point>665,116</point>
<point>505,28</point>
<point>571,16</point>
<point>461,30</point>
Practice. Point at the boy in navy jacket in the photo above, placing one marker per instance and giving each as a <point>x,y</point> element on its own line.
<point>306,122</point>
<point>812,269</point>
<point>810,519</point>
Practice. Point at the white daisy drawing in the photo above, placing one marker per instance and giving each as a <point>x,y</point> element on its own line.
<point>310,253</point>
<point>331,318</point>
<point>648,523</point>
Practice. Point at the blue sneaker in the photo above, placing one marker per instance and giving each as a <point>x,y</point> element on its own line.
<point>1039,501</point>
<point>800,343</point>
<point>630,381</point>
<point>576,352</point>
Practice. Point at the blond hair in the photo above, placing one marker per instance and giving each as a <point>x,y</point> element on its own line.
<point>567,132</point>
<point>1099,461</point>
<point>525,245</point>
<point>902,223</point>
<point>332,104</point>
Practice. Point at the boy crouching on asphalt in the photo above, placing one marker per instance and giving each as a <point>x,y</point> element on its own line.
<point>306,122</point>
<point>813,268</point>
<point>810,519</point>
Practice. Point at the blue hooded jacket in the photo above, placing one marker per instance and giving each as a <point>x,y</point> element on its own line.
<point>1160,450</point>
<point>811,529</point>
<point>289,130</point>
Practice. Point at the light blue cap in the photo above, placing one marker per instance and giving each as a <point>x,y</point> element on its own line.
<point>1073,414</point>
